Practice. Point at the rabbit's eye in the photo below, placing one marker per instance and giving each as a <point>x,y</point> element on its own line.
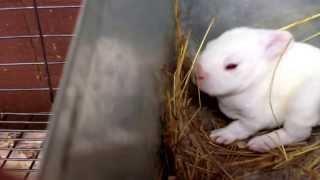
<point>231,66</point>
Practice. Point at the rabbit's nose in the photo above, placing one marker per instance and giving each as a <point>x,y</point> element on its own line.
<point>200,73</point>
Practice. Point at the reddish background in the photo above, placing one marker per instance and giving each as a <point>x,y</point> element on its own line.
<point>23,22</point>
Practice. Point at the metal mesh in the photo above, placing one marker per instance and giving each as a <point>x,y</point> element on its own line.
<point>22,134</point>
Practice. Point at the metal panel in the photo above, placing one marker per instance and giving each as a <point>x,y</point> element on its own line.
<point>107,111</point>
<point>196,15</point>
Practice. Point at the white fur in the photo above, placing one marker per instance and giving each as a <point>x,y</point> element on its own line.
<point>243,94</point>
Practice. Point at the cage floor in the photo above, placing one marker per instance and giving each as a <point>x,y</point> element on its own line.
<point>21,141</point>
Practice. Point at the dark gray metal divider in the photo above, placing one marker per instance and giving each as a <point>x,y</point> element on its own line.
<point>196,15</point>
<point>106,123</point>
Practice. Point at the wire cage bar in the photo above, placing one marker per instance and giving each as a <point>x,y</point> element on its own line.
<point>23,133</point>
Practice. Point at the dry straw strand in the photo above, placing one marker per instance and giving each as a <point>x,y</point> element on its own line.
<point>311,37</point>
<point>301,21</point>
<point>197,53</point>
<point>270,94</point>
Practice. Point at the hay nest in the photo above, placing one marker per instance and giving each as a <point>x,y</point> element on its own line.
<point>188,118</point>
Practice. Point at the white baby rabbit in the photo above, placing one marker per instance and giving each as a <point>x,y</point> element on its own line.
<point>237,68</point>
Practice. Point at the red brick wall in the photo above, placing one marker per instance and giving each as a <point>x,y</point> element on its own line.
<point>57,20</point>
